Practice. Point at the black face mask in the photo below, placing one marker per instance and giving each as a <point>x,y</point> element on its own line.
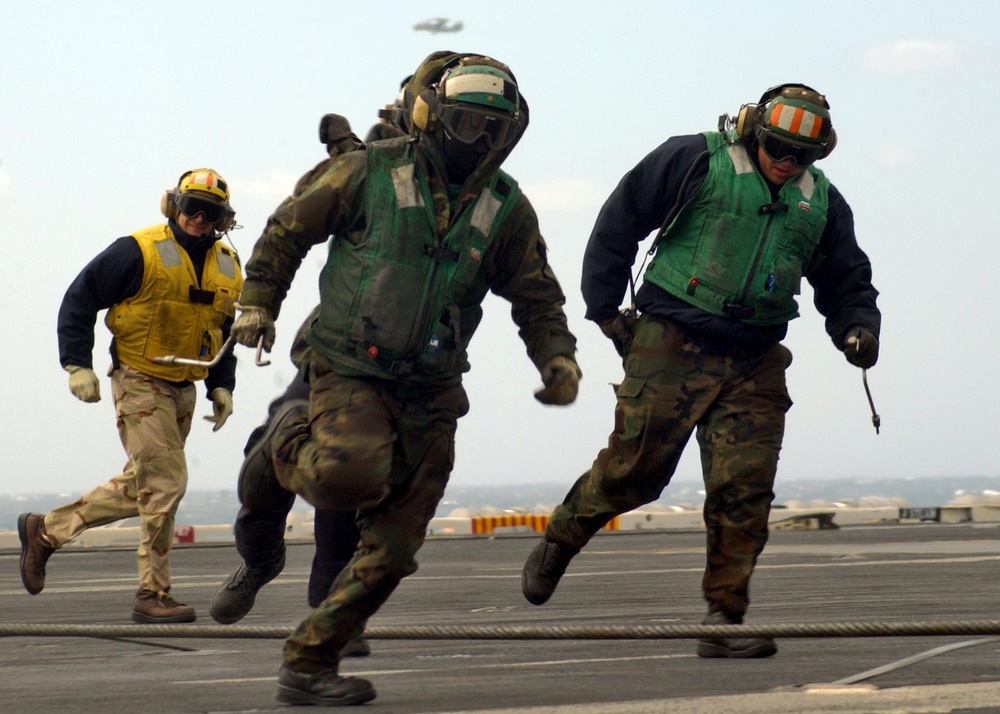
<point>461,159</point>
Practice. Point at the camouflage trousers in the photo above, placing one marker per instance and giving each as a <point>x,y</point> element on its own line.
<point>387,449</point>
<point>735,404</point>
<point>154,418</point>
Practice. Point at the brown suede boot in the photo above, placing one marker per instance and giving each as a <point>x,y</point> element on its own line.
<point>35,550</point>
<point>158,608</point>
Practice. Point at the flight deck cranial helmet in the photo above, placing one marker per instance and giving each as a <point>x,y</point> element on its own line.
<point>201,191</point>
<point>791,121</point>
<point>475,102</point>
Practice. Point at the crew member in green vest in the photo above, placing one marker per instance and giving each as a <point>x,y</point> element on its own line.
<point>169,290</point>
<point>739,216</point>
<point>259,530</point>
<point>424,226</point>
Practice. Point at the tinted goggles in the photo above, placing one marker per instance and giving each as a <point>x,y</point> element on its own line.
<point>191,206</point>
<point>777,149</point>
<point>468,124</point>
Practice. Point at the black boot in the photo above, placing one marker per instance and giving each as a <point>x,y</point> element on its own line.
<point>740,647</point>
<point>236,596</point>
<point>357,647</point>
<point>543,569</point>
<point>326,688</point>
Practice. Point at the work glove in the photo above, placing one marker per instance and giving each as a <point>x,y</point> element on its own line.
<point>222,407</point>
<point>619,330</point>
<point>561,377</point>
<point>861,347</point>
<point>251,324</point>
<point>84,383</point>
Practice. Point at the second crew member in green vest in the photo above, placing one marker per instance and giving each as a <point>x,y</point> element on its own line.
<point>426,225</point>
<point>739,216</point>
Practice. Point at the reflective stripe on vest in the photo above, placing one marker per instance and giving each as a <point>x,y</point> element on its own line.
<point>163,318</point>
<point>732,250</point>
<point>405,301</point>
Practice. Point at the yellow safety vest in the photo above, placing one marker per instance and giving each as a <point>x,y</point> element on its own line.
<point>171,314</point>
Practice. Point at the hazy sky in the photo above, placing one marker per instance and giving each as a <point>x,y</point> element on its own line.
<point>104,104</point>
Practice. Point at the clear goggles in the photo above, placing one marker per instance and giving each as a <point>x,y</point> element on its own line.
<point>779,149</point>
<point>468,124</point>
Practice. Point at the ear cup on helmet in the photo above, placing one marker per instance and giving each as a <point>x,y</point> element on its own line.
<point>168,205</point>
<point>423,116</point>
<point>745,121</point>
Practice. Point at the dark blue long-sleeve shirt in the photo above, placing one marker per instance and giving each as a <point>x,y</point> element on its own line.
<point>842,288</point>
<point>111,278</point>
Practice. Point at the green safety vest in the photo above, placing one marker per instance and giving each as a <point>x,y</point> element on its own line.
<point>734,251</point>
<point>404,302</point>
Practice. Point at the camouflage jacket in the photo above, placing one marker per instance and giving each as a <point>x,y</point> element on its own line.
<point>331,203</point>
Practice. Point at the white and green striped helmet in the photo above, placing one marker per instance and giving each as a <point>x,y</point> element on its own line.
<point>481,84</point>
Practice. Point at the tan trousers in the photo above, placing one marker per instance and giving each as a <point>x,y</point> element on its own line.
<point>154,418</point>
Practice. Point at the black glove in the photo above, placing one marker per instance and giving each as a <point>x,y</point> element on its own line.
<point>619,329</point>
<point>861,347</point>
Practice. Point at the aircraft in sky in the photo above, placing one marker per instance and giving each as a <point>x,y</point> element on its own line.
<point>438,24</point>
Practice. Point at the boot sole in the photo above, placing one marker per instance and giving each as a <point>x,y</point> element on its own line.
<point>707,649</point>
<point>22,533</point>
<point>290,695</point>
<point>533,596</point>
<point>147,620</point>
<point>536,587</point>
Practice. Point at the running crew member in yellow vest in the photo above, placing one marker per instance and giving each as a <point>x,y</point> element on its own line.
<point>169,290</point>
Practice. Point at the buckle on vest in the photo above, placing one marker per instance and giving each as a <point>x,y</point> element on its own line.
<point>440,253</point>
<point>200,297</point>
<point>736,310</point>
<point>776,207</point>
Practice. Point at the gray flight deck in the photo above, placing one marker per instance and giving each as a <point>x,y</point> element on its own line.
<point>850,578</point>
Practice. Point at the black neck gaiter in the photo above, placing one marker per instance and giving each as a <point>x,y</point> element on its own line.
<point>460,160</point>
